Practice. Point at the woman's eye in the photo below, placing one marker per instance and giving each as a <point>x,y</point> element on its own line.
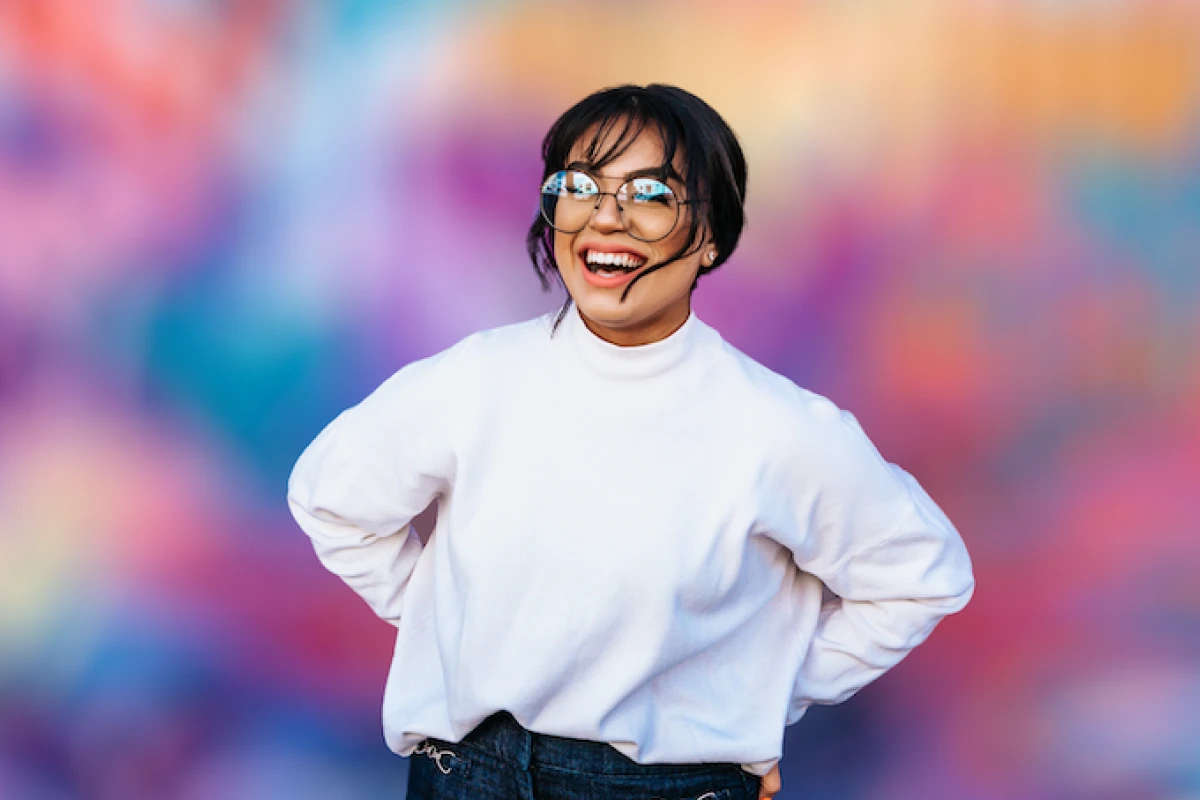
<point>651,191</point>
<point>580,185</point>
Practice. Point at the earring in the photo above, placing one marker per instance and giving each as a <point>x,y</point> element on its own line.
<point>712,256</point>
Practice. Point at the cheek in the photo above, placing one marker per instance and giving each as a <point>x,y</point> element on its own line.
<point>673,244</point>
<point>563,246</point>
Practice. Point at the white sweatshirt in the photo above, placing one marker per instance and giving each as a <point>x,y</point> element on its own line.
<point>630,542</point>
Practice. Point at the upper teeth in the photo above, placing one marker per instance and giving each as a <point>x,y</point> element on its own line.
<point>615,259</point>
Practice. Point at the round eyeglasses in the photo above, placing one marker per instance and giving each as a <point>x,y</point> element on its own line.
<point>649,208</point>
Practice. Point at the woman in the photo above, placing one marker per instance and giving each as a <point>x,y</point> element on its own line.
<point>622,596</point>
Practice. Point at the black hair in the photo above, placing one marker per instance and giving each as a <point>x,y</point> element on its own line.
<point>713,165</point>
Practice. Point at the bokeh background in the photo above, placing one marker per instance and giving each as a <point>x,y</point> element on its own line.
<point>974,224</point>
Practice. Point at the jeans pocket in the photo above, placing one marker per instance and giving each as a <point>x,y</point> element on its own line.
<point>717,794</point>
<point>698,788</point>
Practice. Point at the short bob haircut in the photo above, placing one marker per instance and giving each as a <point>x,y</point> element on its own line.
<point>714,168</point>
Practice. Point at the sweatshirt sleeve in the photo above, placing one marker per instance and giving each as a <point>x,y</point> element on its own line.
<point>868,530</point>
<point>377,465</point>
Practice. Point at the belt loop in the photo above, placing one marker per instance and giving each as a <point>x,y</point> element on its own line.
<point>525,745</point>
<point>508,738</point>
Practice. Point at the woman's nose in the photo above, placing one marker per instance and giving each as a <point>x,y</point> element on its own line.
<point>607,215</point>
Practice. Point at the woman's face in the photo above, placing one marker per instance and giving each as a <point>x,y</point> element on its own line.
<point>660,302</point>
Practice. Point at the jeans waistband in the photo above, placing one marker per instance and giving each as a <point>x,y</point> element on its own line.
<point>502,736</point>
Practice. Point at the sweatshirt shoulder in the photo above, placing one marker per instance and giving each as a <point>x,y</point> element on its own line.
<point>493,346</point>
<point>514,336</point>
<point>456,376</point>
<point>797,428</point>
<point>757,386</point>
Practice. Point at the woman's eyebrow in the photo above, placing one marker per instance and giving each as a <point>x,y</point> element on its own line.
<point>655,172</point>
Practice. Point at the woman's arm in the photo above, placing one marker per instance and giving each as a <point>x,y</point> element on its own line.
<point>359,484</point>
<point>872,534</point>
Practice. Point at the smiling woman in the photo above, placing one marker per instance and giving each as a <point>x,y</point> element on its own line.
<point>625,603</point>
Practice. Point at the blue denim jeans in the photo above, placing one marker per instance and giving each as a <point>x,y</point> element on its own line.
<point>501,760</point>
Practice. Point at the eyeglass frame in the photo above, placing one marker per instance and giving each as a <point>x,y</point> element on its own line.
<point>620,209</point>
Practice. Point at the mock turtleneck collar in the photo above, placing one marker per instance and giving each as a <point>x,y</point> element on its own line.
<point>633,362</point>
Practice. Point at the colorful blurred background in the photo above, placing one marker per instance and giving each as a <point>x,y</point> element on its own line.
<point>974,224</point>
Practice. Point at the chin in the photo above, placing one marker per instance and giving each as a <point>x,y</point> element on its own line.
<point>608,313</point>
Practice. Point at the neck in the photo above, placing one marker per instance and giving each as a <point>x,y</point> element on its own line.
<point>645,332</point>
<point>607,359</point>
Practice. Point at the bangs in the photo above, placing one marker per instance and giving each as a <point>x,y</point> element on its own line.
<point>604,132</point>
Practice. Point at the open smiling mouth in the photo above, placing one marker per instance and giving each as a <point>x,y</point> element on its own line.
<point>611,263</point>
